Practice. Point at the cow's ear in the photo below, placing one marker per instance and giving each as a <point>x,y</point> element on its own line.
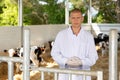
<point>35,51</point>
<point>39,48</point>
<point>5,50</point>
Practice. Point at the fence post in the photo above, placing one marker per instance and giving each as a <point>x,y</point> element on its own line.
<point>26,55</point>
<point>100,75</point>
<point>113,44</point>
<point>10,70</point>
<point>119,75</point>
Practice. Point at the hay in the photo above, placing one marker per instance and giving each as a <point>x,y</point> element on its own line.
<point>102,64</point>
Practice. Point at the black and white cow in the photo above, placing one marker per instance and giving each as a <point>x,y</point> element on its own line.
<point>101,37</point>
<point>51,44</point>
<point>102,40</point>
<point>35,55</point>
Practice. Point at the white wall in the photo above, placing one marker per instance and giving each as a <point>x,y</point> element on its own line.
<point>43,33</point>
<point>10,37</point>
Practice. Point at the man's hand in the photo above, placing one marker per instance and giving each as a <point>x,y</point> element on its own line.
<point>74,62</point>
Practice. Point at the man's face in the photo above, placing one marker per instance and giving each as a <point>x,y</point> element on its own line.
<point>76,19</point>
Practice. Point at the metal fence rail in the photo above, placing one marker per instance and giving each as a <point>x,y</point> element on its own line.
<point>98,74</point>
<point>25,61</point>
<point>10,60</point>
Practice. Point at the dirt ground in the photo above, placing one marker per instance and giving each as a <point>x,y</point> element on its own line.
<point>102,64</point>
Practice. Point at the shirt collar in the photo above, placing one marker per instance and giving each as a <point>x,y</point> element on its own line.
<point>71,32</point>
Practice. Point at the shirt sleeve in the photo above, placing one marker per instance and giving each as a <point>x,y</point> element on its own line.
<point>56,52</point>
<point>91,53</point>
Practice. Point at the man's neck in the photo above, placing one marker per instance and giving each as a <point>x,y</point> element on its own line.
<point>76,30</point>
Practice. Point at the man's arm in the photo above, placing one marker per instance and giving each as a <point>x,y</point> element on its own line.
<point>91,53</point>
<point>56,52</point>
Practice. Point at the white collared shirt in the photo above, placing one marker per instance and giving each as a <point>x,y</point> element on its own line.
<point>68,45</point>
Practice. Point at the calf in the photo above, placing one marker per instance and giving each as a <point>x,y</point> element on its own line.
<point>15,53</point>
<point>35,55</point>
<point>51,44</point>
<point>101,37</point>
<point>102,41</point>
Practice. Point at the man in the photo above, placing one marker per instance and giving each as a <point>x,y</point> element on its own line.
<point>74,47</point>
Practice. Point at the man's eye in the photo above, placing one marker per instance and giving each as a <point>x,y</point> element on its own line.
<point>79,18</point>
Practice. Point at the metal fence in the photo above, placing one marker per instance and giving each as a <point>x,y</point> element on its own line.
<point>26,65</point>
<point>10,60</point>
<point>98,74</point>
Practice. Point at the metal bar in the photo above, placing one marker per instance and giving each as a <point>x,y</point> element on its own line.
<point>20,19</point>
<point>100,75</point>
<point>67,12</point>
<point>55,76</point>
<point>66,71</point>
<point>70,76</point>
<point>89,12</point>
<point>42,75</point>
<point>13,59</point>
<point>26,55</point>
<point>84,77</point>
<point>10,70</point>
<point>20,22</point>
<point>113,44</point>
